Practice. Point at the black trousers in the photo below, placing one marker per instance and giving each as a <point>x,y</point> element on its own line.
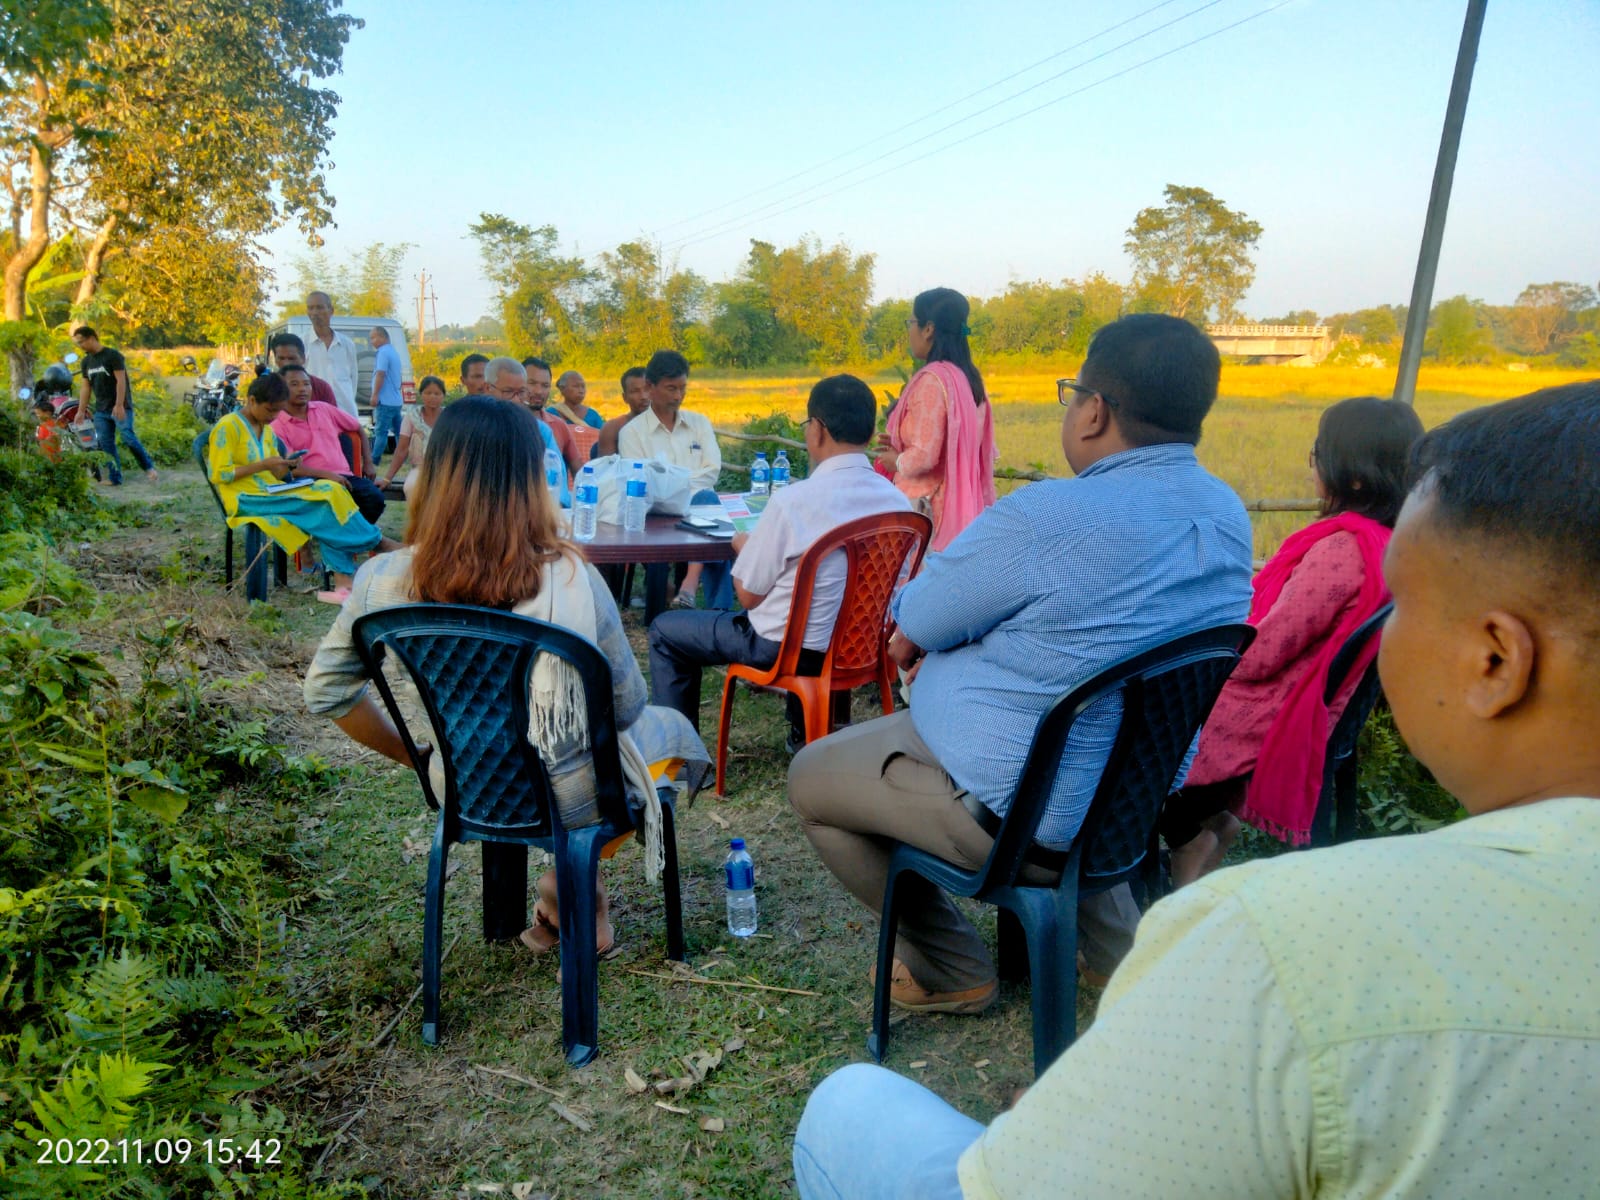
<point>367,495</point>
<point>1187,809</point>
<point>682,641</point>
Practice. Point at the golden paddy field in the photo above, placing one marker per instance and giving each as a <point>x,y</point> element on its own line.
<point>1257,438</point>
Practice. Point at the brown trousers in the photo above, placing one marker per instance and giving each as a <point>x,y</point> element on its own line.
<point>860,790</point>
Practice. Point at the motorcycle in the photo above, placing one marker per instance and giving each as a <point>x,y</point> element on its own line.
<point>217,393</point>
<point>70,424</point>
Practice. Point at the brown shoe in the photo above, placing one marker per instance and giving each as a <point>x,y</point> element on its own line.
<point>906,993</point>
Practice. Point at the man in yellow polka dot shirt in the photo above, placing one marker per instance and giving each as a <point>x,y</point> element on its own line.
<point>1406,1017</point>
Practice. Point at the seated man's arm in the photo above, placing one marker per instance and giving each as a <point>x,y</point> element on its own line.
<point>979,580</point>
<point>1192,1081</point>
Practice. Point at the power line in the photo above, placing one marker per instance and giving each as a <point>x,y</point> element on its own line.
<point>989,87</point>
<point>718,232</point>
<point>760,210</point>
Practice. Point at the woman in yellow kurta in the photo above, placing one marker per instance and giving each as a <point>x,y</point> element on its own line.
<point>245,460</point>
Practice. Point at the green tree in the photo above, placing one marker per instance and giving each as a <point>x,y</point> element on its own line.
<point>1192,256</point>
<point>133,117</point>
<point>640,307</point>
<point>1457,332</point>
<point>744,331</point>
<point>819,294</point>
<point>366,284</point>
<point>181,285</point>
<point>886,329</point>
<point>1546,314</point>
<point>540,293</point>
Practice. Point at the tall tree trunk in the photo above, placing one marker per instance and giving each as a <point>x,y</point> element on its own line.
<point>94,261</point>
<point>27,256</point>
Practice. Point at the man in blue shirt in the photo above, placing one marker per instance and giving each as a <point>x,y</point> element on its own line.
<point>1046,589</point>
<point>387,402</point>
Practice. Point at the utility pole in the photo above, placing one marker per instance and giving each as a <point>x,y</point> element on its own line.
<point>433,299</point>
<point>422,299</point>
<point>1444,170</point>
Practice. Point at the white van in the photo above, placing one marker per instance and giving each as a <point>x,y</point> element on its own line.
<point>356,329</point>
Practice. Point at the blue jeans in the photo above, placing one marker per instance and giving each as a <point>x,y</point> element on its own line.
<point>869,1134</point>
<point>106,428</point>
<point>385,419</point>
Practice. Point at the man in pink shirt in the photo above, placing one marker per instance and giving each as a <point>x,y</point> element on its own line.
<point>313,426</point>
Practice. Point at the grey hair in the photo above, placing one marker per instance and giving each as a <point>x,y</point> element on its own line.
<point>324,295</point>
<point>503,365</point>
<point>566,375</point>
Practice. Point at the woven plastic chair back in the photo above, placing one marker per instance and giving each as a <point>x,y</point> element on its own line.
<point>879,550</point>
<point>877,558</point>
<point>1166,694</point>
<point>1162,711</point>
<point>471,667</point>
<point>1347,730</point>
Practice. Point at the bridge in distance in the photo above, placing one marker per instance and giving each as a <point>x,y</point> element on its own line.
<point>1299,345</point>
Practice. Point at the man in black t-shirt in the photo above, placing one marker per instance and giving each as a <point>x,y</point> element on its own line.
<point>105,374</point>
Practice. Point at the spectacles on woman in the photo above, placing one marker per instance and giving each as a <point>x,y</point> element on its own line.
<point>1066,389</point>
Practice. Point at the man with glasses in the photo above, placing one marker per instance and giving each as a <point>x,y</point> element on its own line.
<point>507,379</point>
<point>1043,591</point>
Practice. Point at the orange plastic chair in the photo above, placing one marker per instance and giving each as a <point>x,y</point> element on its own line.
<point>877,548</point>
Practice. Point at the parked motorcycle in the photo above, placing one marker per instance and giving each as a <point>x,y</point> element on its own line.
<point>217,393</point>
<point>53,398</point>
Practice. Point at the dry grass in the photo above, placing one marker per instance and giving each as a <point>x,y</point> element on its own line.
<point>1257,438</point>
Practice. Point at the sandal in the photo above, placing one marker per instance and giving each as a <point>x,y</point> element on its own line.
<point>544,935</point>
<point>683,600</point>
<point>337,596</point>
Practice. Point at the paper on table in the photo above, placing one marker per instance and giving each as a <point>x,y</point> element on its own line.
<point>743,510</point>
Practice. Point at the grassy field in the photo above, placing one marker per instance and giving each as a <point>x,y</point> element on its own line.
<point>1257,438</point>
<point>478,1114</point>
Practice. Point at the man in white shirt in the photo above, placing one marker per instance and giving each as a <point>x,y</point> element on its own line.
<point>331,355</point>
<point>666,432</point>
<point>841,416</point>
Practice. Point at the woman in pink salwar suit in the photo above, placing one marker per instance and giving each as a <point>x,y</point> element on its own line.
<point>1262,748</point>
<point>940,436</point>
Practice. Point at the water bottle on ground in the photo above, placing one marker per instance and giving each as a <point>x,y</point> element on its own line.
<point>554,470</point>
<point>741,877</point>
<point>585,503</point>
<point>636,499</point>
<point>760,473</point>
<point>780,470</point>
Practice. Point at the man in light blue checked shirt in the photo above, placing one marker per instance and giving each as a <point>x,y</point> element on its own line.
<point>1046,589</point>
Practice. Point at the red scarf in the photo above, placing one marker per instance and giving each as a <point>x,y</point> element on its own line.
<point>1282,794</point>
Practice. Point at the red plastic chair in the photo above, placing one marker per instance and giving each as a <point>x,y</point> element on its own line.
<point>877,548</point>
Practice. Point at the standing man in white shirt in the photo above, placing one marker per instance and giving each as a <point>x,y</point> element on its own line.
<point>666,432</point>
<point>841,416</point>
<point>331,355</point>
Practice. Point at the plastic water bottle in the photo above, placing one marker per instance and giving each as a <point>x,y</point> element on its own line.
<point>780,470</point>
<point>585,503</point>
<point>555,470</point>
<point>759,474</point>
<point>636,501</point>
<point>741,877</point>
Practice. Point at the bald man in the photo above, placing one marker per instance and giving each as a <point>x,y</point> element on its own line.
<point>330,355</point>
<point>583,422</point>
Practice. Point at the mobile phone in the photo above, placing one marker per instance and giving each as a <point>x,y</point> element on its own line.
<point>296,455</point>
<point>702,523</point>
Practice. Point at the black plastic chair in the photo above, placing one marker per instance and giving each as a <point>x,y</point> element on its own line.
<point>256,575</point>
<point>1167,692</point>
<point>471,667</point>
<point>1336,817</point>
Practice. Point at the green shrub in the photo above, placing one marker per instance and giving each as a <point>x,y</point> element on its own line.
<point>744,453</point>
<point>138,934</point>
<point>1397,793</point>
<point>166,426</point>
<point>44,497</point>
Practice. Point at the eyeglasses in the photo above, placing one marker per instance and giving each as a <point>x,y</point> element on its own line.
<point>506,392</point>
<point>1066,389</point>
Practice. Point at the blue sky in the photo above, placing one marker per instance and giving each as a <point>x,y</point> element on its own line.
<point>1320,119</point>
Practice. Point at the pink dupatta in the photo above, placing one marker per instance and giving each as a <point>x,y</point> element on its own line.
<point>968,453</point>
<point>1281,796</point>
